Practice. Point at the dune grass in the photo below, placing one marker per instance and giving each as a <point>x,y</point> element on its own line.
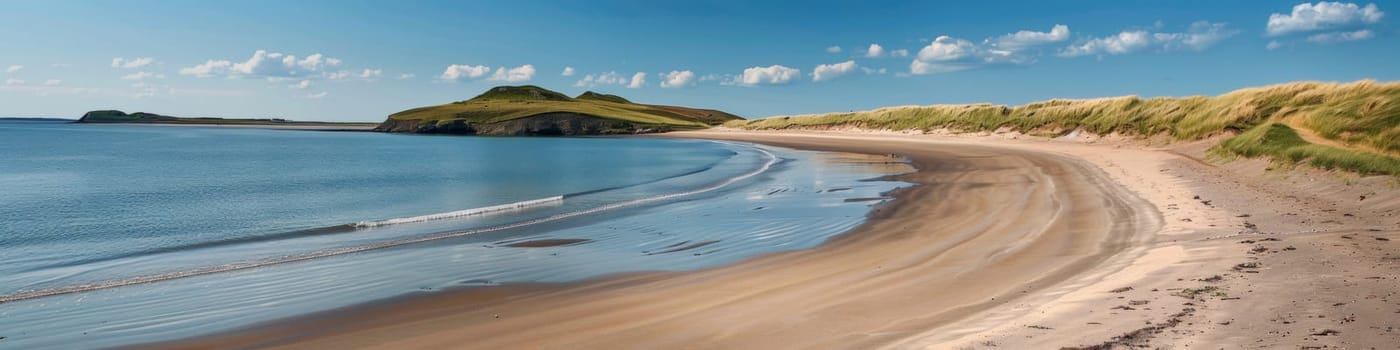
<point>1286,147</point>
<point>1360,116</point>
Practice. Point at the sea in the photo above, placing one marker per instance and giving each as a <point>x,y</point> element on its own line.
<point>116,235</point>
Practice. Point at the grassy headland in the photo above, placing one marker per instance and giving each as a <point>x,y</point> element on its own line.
<point>510,103</point>
<point>1356,125</point>
<point>112,116</point>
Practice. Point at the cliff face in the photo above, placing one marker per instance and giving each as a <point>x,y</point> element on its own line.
<point>547,124</point>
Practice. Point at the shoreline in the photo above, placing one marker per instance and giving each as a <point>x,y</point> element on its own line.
<point>594,312</point>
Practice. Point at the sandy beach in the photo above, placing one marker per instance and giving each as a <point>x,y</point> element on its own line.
<point>1006,242</point>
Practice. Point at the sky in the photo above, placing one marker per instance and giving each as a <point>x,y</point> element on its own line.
<point>363,60</point>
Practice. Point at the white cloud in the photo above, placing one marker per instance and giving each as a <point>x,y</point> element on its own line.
<point>368,74</point>
<point>609,78</point>
<point>273,65</point>
<point>868,70</point>
<point>711,77</point>
<point>207,69</point>
<point>406,76</point>
<point>949,54</point>
<point>833,49</point>
<point>677,79</point>
<point>53,82</point>
<point>1122,43</point>
<point>118,62</point>
<point>338,75</point>
<point>1273,45</point>
<point>1322,15</point>
<point>770,75</point>
<point>301,85</point>
<point>314,62</point>
<point>568,72</point>
<point>143,91</point>
<point>825,72</point>
<point>1337,37</point>
<point>1199,36</point>
<point>14,82</point>
<point>875,50</point>
<point>899,53</point>
<point>946,54</point>
<point>464,71</point>
<point>638,80</point>
<point>317,95</point>
<point>14,68</point>
<point>1026,38</point>
<point>142,76</point>
<point>946,48</point>
<point>514,75</point>
<point>922,67</point>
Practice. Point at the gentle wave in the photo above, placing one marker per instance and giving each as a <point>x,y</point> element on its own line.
<point>25,295</point>
<point>462,213</point>
<point>346,228</point>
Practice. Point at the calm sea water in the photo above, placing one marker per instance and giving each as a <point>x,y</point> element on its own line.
<point>114,235</point>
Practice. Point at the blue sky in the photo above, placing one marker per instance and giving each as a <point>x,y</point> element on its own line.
<point>362,60</point>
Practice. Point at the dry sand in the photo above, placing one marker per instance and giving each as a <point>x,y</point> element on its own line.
<point>1006,243</point>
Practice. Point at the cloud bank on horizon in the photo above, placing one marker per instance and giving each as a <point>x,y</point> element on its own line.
<point>310,74</point>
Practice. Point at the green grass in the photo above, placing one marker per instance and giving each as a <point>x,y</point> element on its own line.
<point>523,92</point>
<point>1363,118</point>
<point>511,102</point>
<point>1286,147</point>
<point>589,95</point>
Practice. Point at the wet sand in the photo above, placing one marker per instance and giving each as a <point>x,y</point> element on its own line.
<point>1004,243</point>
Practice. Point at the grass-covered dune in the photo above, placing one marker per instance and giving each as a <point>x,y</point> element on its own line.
<point>1351,126</point>
<point>532,110</point>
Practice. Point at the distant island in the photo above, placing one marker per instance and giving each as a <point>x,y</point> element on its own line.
<point>36,119</point>
<point>119,117</point>
<point>534,111</point>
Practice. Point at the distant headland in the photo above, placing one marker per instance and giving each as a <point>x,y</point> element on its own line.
<point>534,111</point>
<point>501,111</point>
<point>119,117</point>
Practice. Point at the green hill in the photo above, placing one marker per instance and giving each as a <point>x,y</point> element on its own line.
<point>589,95</point>
<point>532,110</point>
<point>1350,126</point>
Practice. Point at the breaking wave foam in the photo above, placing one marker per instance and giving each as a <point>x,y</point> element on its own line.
<point>462,213</point>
